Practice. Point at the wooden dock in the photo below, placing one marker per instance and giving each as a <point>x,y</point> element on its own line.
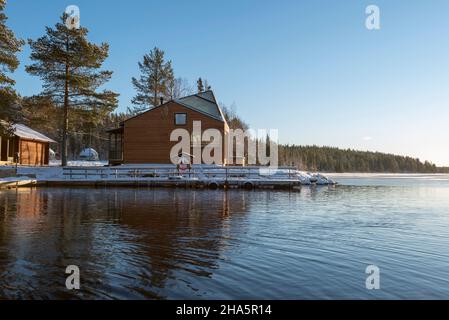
<point>212,177</point>
<point>181,183</point>
<point>16,182</point>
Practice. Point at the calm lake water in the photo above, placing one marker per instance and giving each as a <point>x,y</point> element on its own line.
<point>212,244</point>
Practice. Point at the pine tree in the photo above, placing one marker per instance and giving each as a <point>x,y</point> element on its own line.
<point>42,113</point>
<point>9,46</point>
<point>267,145</point>
<point>200,85</point>
<point>69,66</point>
<point>153,84</point>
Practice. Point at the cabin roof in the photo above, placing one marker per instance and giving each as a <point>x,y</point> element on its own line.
<point>24,132</point>
<point>208,95</point>
<point>203,102</point>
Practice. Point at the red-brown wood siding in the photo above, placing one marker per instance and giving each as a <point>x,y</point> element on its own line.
<point>147,136</point>
<point>33,153</point>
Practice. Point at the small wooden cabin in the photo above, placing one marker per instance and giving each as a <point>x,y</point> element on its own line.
<point>145,138</point>
<point>24,146</point>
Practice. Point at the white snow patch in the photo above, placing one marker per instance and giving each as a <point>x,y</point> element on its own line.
<point>80,163</point>
<point>25,132</point>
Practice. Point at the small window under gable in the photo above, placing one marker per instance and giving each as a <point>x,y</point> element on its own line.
<point>180,119</point>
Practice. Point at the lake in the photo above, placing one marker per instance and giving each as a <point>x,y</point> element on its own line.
<point>213,244</point>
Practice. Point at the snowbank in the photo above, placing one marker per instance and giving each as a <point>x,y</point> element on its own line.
<point>80,163</point>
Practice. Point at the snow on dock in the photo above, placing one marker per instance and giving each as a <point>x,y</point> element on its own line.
<point>198,176</point>
<point>16,182</point>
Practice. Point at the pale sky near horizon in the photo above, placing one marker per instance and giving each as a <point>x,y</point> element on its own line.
<point>308,68</point>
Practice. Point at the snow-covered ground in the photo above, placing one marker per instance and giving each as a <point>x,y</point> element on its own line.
<point>54,170</point>
<point>80,163</point>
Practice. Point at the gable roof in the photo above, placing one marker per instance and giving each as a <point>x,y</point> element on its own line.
<point>208,95</point>
<point>203,102</point>
<point>24,132</point>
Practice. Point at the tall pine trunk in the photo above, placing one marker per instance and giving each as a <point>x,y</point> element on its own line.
<point>65,126</point>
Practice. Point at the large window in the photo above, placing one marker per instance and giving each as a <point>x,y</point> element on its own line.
<point>180,119</point>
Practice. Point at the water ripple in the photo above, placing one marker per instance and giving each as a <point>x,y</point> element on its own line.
<point>177,244</point>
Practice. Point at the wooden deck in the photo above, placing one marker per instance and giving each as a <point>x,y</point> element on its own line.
<point>213,177</point>
<point>16,183</point>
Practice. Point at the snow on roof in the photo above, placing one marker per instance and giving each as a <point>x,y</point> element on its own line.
<point>25,132</point>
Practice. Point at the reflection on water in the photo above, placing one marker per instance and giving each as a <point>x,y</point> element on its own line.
<point>128,243</point>
<point>158,244</point>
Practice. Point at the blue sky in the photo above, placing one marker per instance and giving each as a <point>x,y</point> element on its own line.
<point>308,68</point>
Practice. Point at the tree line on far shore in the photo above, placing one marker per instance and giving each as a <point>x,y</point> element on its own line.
<point>330,159</point>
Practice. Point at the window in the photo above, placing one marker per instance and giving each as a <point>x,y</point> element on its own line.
<point>180,119</point>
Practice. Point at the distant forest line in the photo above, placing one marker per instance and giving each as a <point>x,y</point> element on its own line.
<point>330,159</point>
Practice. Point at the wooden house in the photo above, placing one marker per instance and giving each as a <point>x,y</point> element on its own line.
<point>24,146</point>
<point>145,138</point>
